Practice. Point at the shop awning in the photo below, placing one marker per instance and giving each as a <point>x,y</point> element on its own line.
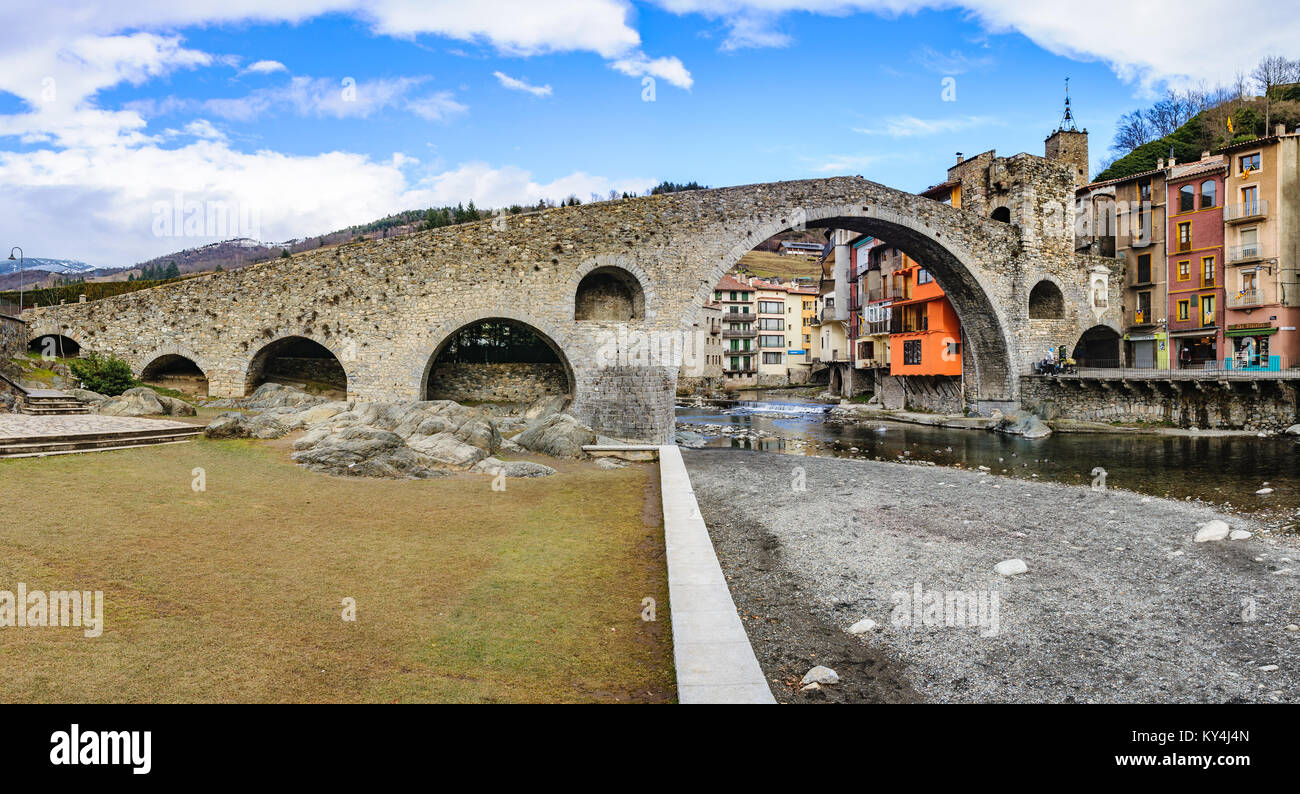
<point>1250,331</point>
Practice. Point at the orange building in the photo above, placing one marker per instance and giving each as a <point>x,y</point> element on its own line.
<point>926,334</point>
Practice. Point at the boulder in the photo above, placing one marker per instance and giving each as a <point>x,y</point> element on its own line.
<point>91,398</point>
<point>1293,430</point>
<point>689,439</point>
<point>447,449</point>
<point>513,468</point>
<point>1019,423</point>
<point>544,407</point>
<point>233,424</point>
<point>359,451</point>
<point>610,463</point>
<point>276,395</point>
<point>558,435</point>
<point>142,401</point>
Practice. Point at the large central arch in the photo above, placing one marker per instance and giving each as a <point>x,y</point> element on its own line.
<point>958,271</point>
<point>532,352</point>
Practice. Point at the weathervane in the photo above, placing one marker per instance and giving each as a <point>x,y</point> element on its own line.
<point>1067,120</point>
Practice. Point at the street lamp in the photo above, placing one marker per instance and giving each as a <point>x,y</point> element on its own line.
<point>22,270</point>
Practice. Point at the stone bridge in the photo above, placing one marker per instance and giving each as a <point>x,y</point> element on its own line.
<point>386,307</point>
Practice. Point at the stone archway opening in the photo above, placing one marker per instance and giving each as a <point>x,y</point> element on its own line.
<point>174,371</point>
<point>1098,347</point>
<point>1046,301</point>
<point>611,294</point>
<point>1001,215</point>
<point>300,362</point>
<point>499,362</point>
<point>55,345</point>
<point>988,373</point>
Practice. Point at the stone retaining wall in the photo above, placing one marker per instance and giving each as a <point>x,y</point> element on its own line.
<point>504,383</point>
<point>1236,405</point>
<point>13,338</point>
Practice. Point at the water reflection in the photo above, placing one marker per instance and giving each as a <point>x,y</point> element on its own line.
<point>1215,469</point>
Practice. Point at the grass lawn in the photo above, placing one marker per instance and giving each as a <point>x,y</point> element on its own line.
<point>235,594</point>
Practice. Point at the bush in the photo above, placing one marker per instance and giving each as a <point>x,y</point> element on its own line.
<point>107,375</point>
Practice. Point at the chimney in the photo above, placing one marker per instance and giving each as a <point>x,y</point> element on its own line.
<point>1160,164</point>
<point>1205,155</point>
<point>1279,129</point>
<point>959,158</point>
<point>1173,161</point>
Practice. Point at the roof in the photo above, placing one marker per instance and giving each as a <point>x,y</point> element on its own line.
<point>1216,163</point>
<point>1118,180</point>
<point>1253,142</point>
<point>728,282</point>
<point>940,189</point>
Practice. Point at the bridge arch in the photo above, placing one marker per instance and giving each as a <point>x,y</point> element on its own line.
<point>179,369</point>
<point>69,333</point>
<point>607,275</point>
<point>58,345</point>
<point>531,349</point>
<point>958,271</point>
<point>296,358</point>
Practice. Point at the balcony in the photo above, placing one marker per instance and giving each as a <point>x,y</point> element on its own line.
<point>1143,317</point>
<point>743,371</point>
<point>1246,253</point>
<point>738,317</point>
<point>1246,299</point>
<point>1249,211</point>
<point>730,334</point>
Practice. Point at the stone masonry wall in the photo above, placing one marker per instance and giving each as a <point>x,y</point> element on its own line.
<point>13,338</point>
<point>1234,406</point>
<point>506,383</point>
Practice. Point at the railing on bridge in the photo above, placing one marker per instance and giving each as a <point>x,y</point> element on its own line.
<point>1241,366</point>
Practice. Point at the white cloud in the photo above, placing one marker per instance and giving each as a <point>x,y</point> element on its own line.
<point>1178,41</point>
<point>521,85</point>
<point>844,164</point>
<point>952,62</point>
<point>436,107</point>
<point>500,187</point>
<point>264,67</point>
<point>911,126</point>
<point>202,128</point>
<point>671,69</point>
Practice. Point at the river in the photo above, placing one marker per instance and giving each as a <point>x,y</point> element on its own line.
<point>1222,470</point>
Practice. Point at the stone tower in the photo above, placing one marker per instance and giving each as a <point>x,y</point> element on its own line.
<point>1068,145</point>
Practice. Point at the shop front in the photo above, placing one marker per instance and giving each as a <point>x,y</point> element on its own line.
<point>1196,350</point>
<point>1249,348</point>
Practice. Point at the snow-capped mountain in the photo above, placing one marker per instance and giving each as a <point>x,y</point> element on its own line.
<point>59,266</point>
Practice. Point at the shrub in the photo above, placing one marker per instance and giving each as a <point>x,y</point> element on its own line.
<point>107,375</point>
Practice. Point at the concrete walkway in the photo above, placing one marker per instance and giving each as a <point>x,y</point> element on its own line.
<point>715,662</point>
<point>22,426</point>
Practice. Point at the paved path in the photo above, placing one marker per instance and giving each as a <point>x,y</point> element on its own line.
<point>23,426</point>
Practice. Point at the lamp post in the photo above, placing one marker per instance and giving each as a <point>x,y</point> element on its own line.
<point>22,270</point>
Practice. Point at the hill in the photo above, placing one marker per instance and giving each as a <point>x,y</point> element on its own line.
<point>1207,130</point>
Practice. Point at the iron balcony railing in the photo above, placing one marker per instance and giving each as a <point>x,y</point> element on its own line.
<point>1232,365</point>
<point>730,334</point>
<point>1245,253</point>
<point>1249,210</point>
<point>1246,297</point>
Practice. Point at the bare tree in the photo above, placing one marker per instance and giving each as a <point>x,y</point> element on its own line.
<point>1131,132</point>
<point>1273,71</point>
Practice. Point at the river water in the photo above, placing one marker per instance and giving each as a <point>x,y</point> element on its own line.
<point>1223,470</point>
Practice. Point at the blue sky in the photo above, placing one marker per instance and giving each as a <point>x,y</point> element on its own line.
<point>310,115</point>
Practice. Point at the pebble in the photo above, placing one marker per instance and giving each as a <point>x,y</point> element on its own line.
<point>813,687</point>
<point>1264,491</point>
<point>1011,567</point>
<point>1238,534</point>
<point>1212,530</point>
<point>821,675</point>
<point>1268,668</point>
<point>862,626</point>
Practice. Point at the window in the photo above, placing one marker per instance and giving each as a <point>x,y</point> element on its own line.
<point>1185,236</point>
<point>912,352</point>
<point>771,358</point>
<point>1186,198</point>
<point>1144,269</point>
<point>768,340</point>
<point>1184,270</point>
<point>1208,194</point>
<point>1143,308</point>
<point>1144,190</point>
<point>1249,282</point>
<point>1249,162</point>
<point>1183,308</point>
<point>954,349</point>
<point>1207,310</point>
<point>923,276</point>
<point>771,307</point>
<point>1207,271</point>
<point>771,324</point>
<point>1249,201</point>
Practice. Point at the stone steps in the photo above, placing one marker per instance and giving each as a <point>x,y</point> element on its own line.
<point>29,446</point>
<point>52,403</point>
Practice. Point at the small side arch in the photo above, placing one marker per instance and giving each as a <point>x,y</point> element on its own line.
<point>611,288</point>
<point>1046,301</point>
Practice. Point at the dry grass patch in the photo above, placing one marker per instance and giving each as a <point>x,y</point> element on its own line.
<point>234,594</point>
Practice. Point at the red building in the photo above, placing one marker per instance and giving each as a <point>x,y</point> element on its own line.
<point>1194,246</point>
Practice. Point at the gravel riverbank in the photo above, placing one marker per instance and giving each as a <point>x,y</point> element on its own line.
<point>1119,604</point>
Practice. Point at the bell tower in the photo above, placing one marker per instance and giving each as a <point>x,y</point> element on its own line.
<point>1068,145</point>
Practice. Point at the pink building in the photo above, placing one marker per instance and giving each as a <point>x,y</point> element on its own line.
<point>1194,246</point>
